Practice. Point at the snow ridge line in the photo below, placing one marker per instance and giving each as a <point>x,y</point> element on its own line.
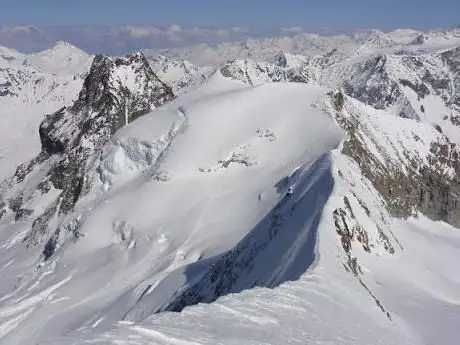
<point>292,223</point>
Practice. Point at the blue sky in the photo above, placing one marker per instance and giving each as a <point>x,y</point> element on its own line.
<point>311,14</point>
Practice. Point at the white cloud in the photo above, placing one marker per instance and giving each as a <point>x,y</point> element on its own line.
<point>19,29</point>
<point>292,30</point>
<point>174,29</point>
<point>222,33</point>
<point>120,39</point>
<point>240,30</point>
<point>141,32</point>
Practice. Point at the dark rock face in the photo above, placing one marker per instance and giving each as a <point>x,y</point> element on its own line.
<point>420,89</point>
<point>106,103</point>
<point>372,83</point>
<point>115,92</point>
<point>427,188</point>
<point>452,60</point>
<point>50,144</point>
<point>382,82</point>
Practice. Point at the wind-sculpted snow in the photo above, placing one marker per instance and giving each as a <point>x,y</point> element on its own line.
<point>145,238</point>
<point>325,306</point>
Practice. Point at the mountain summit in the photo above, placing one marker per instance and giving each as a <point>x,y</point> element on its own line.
<point>114,93</point>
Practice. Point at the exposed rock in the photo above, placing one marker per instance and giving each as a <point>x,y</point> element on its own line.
<point>387,81</point>
<point>114,93</point>
<point>406,183</point>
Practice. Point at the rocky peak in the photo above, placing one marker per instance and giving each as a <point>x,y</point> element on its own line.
<point>115,92</point>
<point>286,60</point>
<point>281,60</point>
<point>420,39</point>
<point>401,83</point>
<point>129,76</point>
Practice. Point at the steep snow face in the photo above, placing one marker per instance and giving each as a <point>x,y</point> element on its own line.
<point>223,178</point>
<point>404,36</point>
<point>63,59</point>
<point>373,40</point>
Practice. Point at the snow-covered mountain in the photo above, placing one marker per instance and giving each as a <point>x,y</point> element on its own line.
<point>30,87</point>
<point>181,75</point>
<point>308,44</point>
<point>280,198</point>
<point>114,93</point>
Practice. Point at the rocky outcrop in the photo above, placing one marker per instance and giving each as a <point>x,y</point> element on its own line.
<point>115,92</point>
<point>452,60</point>
<point>401,83</point>
<point>424,181</point>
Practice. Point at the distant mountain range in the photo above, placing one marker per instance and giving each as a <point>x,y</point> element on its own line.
<point>123,39</point>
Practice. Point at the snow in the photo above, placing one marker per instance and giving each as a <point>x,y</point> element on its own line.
<point>325,305</point>
<point>402,140</point>
<point>233,173</point>
<point>181,75</point>
<point>313,310</point>
<point>62,59</point>
<point>135,229</point>
<point>20,117</point>
<point>38,84</point>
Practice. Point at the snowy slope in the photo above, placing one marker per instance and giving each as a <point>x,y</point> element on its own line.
<point>388,293</point>
<point>262,205</point>
<point>62,59</point>
<point>199,157</point>
<point>322,307</point>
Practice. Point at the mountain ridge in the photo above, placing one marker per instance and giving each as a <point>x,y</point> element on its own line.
<point>317,184</point>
